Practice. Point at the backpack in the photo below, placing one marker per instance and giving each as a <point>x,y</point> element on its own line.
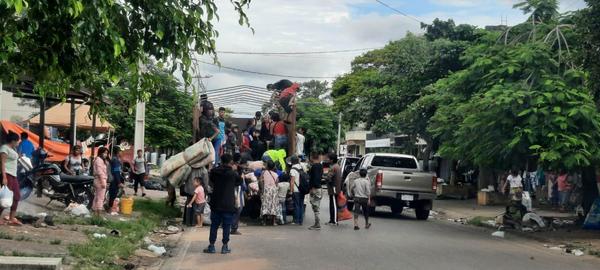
<point>304,183</point>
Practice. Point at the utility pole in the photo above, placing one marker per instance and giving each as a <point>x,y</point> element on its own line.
<point>140,116</point>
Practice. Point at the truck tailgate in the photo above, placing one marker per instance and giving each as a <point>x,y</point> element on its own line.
<point>403,180</point>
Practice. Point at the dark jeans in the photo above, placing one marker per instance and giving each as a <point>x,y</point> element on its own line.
<point>332,209</point>
<point>298,207</point>
<point>361,206</point>
<point>138,179</point>
<point>218,218</point>
<point>113,189</point>
<point>236,219</point>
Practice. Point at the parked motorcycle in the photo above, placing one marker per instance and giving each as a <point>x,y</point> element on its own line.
<point>48,180</point>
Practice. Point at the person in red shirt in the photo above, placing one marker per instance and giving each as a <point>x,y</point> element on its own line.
<point>287,97</point>
<point>279,132</point>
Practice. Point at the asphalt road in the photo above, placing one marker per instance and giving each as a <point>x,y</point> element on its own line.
<point>391,243</point>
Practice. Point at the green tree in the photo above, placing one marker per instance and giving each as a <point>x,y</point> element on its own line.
<point>315,89</point>
<point>168,114</point>
<point>540,10</point>
<point>64,45</point>
<point>319,121</point>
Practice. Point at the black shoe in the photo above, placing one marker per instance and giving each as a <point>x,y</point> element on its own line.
<point>225,250</point>
<point>356,228</point>
<point>368,226</point>
<point>210,249</point>
<point>143,194</point>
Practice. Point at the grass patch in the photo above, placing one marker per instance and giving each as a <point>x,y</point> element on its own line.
<point>594,252</point>
<point>5,235</point>
<point>99,251</point>
<point>478,221</point>
<point>55,242</point>
<point>22,238</point>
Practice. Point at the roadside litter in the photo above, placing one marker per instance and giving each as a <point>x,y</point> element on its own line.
<point>77,210</point>
<point>99,235</point>
<point>157,250</point>
<point>499,234</point>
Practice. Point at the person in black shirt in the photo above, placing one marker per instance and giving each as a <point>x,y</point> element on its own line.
<point>315,174</point>
<point>224,180</point>
<point>257,146</point>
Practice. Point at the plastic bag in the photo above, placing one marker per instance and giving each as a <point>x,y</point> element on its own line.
<point>6,197</point>
<point>342,208</point>
<point>206,215</point>
<point>592,221</point>
<point>526,200</point>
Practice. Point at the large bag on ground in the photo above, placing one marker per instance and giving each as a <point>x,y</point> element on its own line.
<point>198,151</point>
<point>342,208</point>
<point>179,175</point>
<point>172,164</point>
<point>592,221</point>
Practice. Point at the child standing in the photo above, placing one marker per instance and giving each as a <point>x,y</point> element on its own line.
<point>283,189</point>
<point>198,201</point>
<point>361,192</point>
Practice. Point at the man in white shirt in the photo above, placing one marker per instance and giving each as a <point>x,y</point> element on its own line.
<point>297,196</point>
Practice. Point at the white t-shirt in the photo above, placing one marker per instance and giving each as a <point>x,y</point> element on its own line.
<point>300,144</point>
<point>515,181</point>
<point>11,160</point>
<point>140,165</point>
<point>295,174</point>
<point>282,190</point>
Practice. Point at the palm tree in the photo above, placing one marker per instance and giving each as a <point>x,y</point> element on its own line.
<point>541,10</point>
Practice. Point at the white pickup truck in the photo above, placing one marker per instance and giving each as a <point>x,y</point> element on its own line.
<point>397,181</point>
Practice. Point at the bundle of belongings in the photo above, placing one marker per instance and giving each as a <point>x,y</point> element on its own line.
<point>179,168</point>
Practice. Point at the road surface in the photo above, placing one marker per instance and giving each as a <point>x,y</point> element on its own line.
<point>392,243</point>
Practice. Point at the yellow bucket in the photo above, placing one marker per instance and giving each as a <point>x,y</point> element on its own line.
<point>126,205</point>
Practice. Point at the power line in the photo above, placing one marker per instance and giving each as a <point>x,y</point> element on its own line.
<point>398,11</point>
<point>267,74</point>
<point>299,53</point>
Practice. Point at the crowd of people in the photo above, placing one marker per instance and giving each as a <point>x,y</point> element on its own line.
<point>559,189</point>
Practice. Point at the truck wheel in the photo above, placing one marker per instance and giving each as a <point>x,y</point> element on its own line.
<point>371,210</point>
<point>422,213</point>
<point>397,209</point>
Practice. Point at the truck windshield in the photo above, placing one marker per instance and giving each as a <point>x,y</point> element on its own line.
<point>394,162</point>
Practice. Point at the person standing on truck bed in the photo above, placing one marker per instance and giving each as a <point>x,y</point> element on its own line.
<point>334,186</point>
<point>315,174</point>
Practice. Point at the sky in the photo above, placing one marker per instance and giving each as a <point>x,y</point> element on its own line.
<point>325,25</point>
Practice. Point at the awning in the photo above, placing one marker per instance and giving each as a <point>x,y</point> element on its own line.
<point>60,115</point>
<point>57,151</point>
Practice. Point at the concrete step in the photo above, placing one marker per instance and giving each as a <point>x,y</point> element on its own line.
<point>30,263</point>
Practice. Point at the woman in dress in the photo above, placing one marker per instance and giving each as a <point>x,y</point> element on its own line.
<point>8,161</point>
<point>100,180</point>
<point>270,206</point>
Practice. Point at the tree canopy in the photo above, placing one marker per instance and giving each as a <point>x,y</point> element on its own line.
<point>168,113</point>
<point>68,45</point>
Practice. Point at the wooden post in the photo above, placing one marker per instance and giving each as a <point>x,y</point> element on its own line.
<point>93,138</point>
<point>73,126</point>
<point>42,127</point>
<point>292,131</point>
